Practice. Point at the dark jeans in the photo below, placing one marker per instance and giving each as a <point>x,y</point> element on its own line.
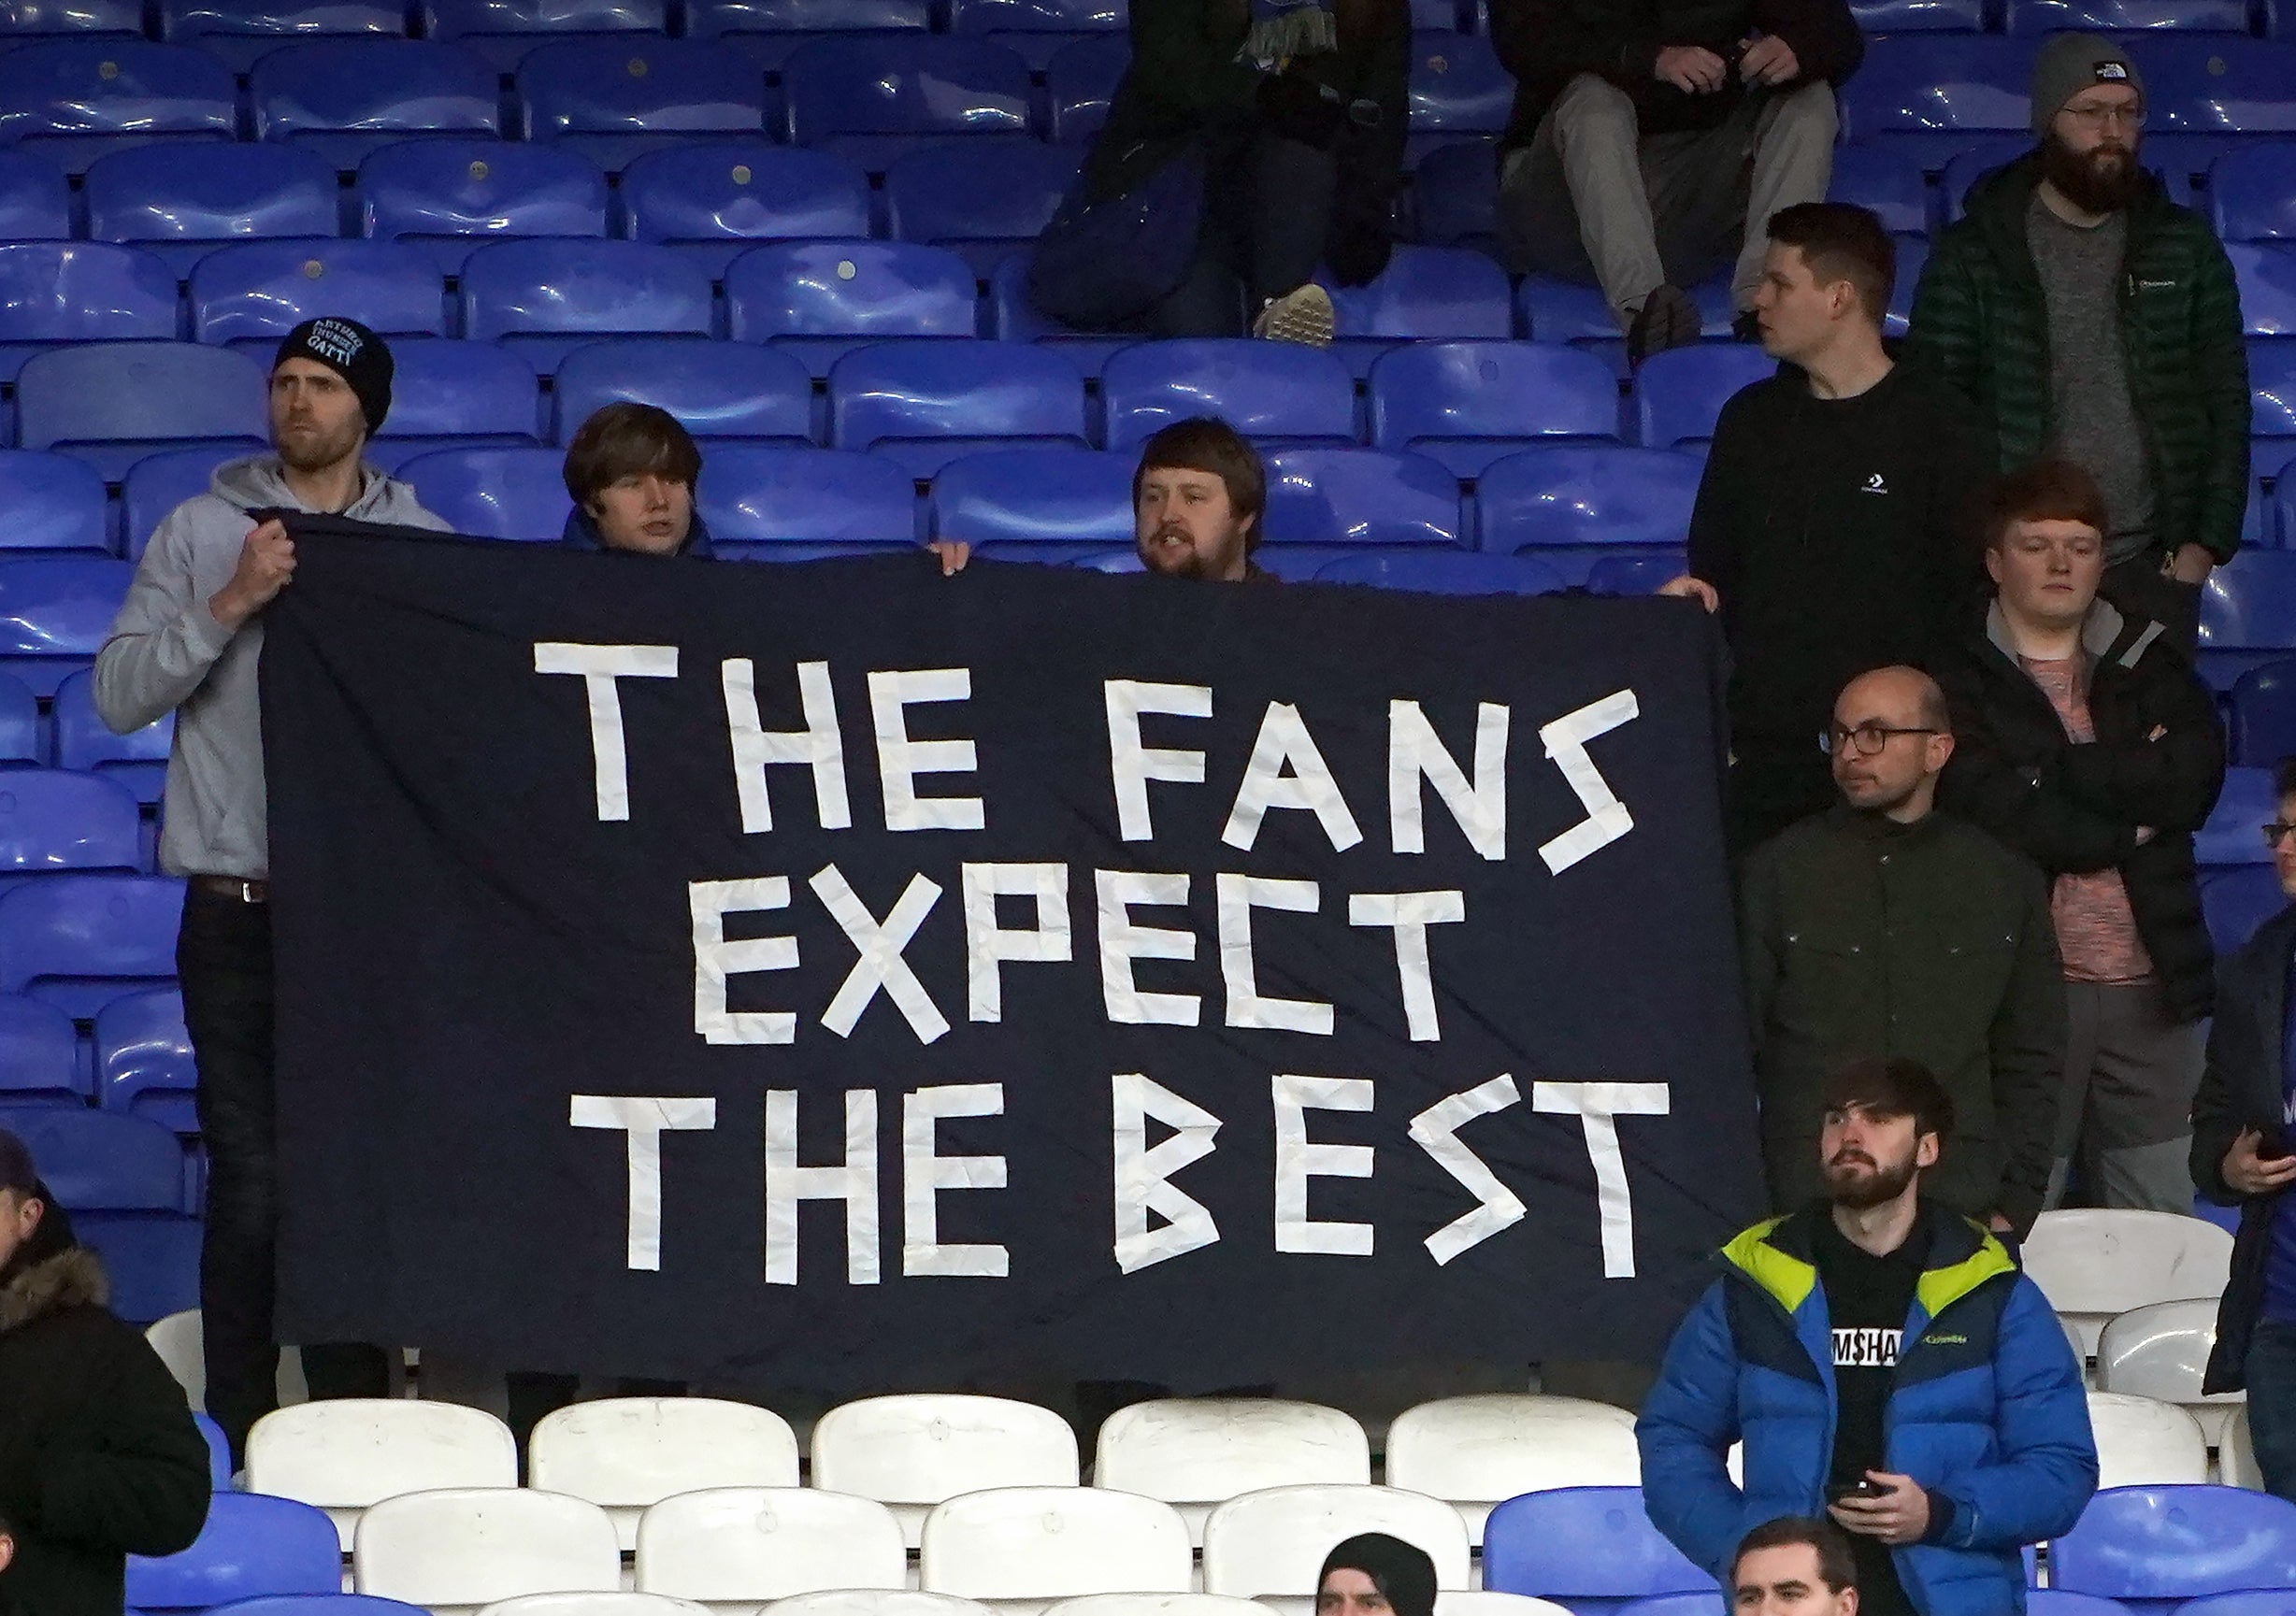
<point>1267,217</point>
<point>224,958</point>
<point>2272,1405</point>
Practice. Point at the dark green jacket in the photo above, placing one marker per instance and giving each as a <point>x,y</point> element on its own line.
<point>1864,937</point>
<point>1980,322</point>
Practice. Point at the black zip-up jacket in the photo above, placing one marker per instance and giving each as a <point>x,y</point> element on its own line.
<point>2072,807</point>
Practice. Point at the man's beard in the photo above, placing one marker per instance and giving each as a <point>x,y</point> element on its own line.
<point>2105,181</point>
<point>317,453</point>
<point>1192,561</point>
<point>1859,1194</point>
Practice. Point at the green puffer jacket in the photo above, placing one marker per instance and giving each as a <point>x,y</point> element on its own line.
<point>1980,322</point>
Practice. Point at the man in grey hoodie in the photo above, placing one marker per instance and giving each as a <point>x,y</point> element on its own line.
<point>186,640</point>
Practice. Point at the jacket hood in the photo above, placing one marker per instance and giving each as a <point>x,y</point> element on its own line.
<point>1779,1257</point>
<point>2106,635</point>
<point>581,532</point>
<point>258,482</point>
<point>53,1271</point>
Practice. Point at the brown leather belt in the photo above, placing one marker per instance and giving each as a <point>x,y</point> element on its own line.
<point>234,888</point>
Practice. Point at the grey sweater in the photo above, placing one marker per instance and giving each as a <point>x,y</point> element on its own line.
<point>167,653</point>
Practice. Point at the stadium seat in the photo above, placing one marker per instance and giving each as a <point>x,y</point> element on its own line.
<point>1454,195</point>
<point>345,97</point>
<point>505,33</point>
<point>35,200</point>
<point>2264,726</point>
<point>2252,192</point>
<point>323,1605</point>
<point>176,1341</point>
<point>71,101</point>
<point>1432,572</point>
<point>20,741</point>
<point>1556,311</point>
<point>2093,1263</point>
<point>2127,15</point>
<point>2271,397</point>
<point>1887,181</point>
<point>1061,503</point>
<point>54,614</point>
<point>2142,1441</point>
<point>65,291</point>
<point>1568,504</point>
<point>2247,614</point>
<point>913,1450</point>
<point>516,494</point>
<point>251,1546</point>
<point>615,100</point>
<point>123,1180</point>
<point>238,32</point>
<point>1490,1602</point>
<point>1928,93</point>
<point>1467,404</point>
<point>54,820</point>
<point>1171,1605</point>
<point>769,30</point>
<point>873,96</point>
<point>348,1454</point>
<point>2248,1602</point>
<point>1477,1451</point>
<point>980,201</point>
<point>1271,391</point>
<point>143,1059</point>
<point>1679,393</point>
<point>40,1056</point>
<point>259,293</point>
<point>112,403</point>
<point>138,762</point>
<point>749,1545</point>
<point>1036,28</point>
<point>449,198</point>
<point>454,1549</point>
<point>1591,1549</point>
<point>1920,16</point>
<point>2236,901</point>
<point>184,201</point>
<point>2194,85</point>
<point>1080,79</point>
<point>730,390</point>
<point>592,1605</point>
<point>1194,1453</point>
<point>715,199</point>
<point>1360,497</point>
<point>878,1602</point>
<point>1458,88</point>
<point>822,299</point>
<point>1274,1541</point>
<point>1011,318</point>
<point>2267,272</point>
<point>157,483</point>
<point>2230,837</point>
<point>1440,293</point>
<point>456,395</point>
<point>53,501</point>
<point>549,297</point>
<point>2236,1459</point>
<point>2152,1547</point>
<point>1705,1604</point>
<point>769,503</point>
<point>925,404</point>
<point>625,1453</point>
<point>78,17</point>
<point>2161,1352</point>
<point>1053,1542</point>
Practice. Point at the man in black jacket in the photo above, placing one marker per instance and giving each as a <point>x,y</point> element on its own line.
<point>1652,139</point>
<point>2087,742</point>
<point>99,1458</point>
<point>1830,530</point>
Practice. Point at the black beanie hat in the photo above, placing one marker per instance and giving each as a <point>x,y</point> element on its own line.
<point>352,352</point>
<point>1400,1570</point>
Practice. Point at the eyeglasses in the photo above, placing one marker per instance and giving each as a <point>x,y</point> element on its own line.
<point>2276,832</point>
<point>2097,117</point>
<point>1866,739</point>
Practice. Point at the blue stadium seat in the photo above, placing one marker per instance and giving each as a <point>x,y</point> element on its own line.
<point>493,493</point>
<point>218,1452</point>
<point>79,19</point>
<point>112,403</point>
<point>1886,180</point>
<point>2152,1547</point>
<point>1591,1549</point>
<point>53,502</point>
<point>1458,88</point>
<point>39,1055</point>
<point>345,97</point>
<point>2236,901</point>
<point>2196,85</point>
<point>449,394</point>
<point>2247,614</point>
<point>2282,513</point>
<point>1454,195</point>
<point>822,298</point>
<point>184,201</point>
<point>1065,503</point>
<point>321,1605</point>
<point>97,1163</point>
<point>1011,318</point>
<point>1570,504</point>
<point>54,614</point>
<point>157,483</point>
<point>1360,497</point>
<point>1036,28</point>
<point>53,820</point>
<point>35,200</point>
<point>2264,726</point>
<point>20,722</point>
<point>137,761</point>
<point>2065,1602</point>
<point>1678,394</point>
<point>793,504</point>
<point>238,32</point>
<point>1080,79</point>
<point>980,201</point>
<point>1439,293</point>
<point>2252,192</point>
<point>449,198</point>
<point>1929,92</point>
<point>62,291</point>
<point>1977,157</point>
<point>2231,835</point>
<point>2248,1602</point>
<point>72,100</point>
<point>253,1544</point>
<point>2127,15</point>
<point>1920,16</point>
<point>546,298</point>
<point>716,390</point>
<point>924,404</point>
<point>769,30</point>
<point>259,293</point>
<point>505,33</point>
<point>715,199</point>
<point>871,97</point>
<point>2267,271</point>
<point>1276,391</point>
<point>1636,571</point>
<point>143,1059</point>
<point>1556,311</point>
<point>613,100</point>
<point>1466,403</point>
<point>1441,572</point>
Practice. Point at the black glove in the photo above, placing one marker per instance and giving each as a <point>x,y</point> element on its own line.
<point>1298,108</point>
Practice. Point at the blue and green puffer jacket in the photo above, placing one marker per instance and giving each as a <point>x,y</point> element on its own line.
<point>1987,1412</point>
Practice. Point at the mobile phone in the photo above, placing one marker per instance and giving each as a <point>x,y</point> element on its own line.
<point>1840,1490</point>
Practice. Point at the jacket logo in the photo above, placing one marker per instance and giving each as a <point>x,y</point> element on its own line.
<point>1866,1349</point>
<point>1873,484</point>
<point>1944,1340</point>
<point>2155,286</point>
<point>2111,72</point>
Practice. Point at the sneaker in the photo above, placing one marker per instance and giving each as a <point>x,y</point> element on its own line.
<point>1304,315</point>
<point>1668,319</point>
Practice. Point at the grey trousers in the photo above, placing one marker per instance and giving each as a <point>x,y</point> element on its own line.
<point>1593,198</point>
<point>2126,1111</point>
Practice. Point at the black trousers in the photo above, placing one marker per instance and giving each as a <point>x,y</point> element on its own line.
<point>224,959</point>
<point>1266,216</point>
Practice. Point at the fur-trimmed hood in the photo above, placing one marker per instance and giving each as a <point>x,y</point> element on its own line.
<point>52,1272</point>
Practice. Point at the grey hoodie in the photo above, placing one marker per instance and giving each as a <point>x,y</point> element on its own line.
<point>167,653</point>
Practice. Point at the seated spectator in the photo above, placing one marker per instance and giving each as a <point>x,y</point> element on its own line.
<point>1653,140</point>
<point>1375,1575</point>
<point>99,1458</point>
<point>1794,1566</point>
<point>1197,500</point>
<point>2084,740</point>
<point>1841,479</point>
<point>1249,141</point>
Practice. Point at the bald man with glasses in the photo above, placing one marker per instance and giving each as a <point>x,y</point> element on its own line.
<point>1884,928</point>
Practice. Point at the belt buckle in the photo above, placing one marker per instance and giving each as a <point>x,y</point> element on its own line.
<point>247,892</point>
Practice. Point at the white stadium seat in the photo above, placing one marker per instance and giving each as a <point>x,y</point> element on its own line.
<point>869,1602</point>
<point>913,1450</point>
<point>346,1454</point>
<point>1271,1543</point>
<point>744,1546</point>
<point>2236,1464</point>
<point>594,1605</point>
<point>457,1550</point>
<point>1478,1452</point>
<point>1044,1543</point>
<point>2162,1352</point>
<point>178,1341</point>
<point>1194,1453</point>
<point>1155,1605</point>
<point>2141,1442</point>
<point>1490,1602</point>
<point>2093,1263</point>
<point>627,1453</point>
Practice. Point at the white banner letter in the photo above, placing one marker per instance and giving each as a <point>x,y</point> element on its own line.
<point>1144,1173</point>
<point>900,760</point>
<point>987,945</point>
<point>1239,896</point>
<point>1607,818</point>
<point>1287,771</point>
<point>1410,914</point>
<point>1435,1131</point>
<point>924,1175</point>
<point>1132,765</point>
<point>599,666</point>
<point>1296,1161</point>
<point>715,959</point>
<point>853,1182</point>
<point>645,1119</point>
<point>1416,752</point>
<point>880,965</point>
<point>818,744</point>
<point>1121,942</point>
<point>1598,1105</point>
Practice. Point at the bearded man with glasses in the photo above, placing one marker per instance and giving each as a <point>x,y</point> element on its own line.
<point>1884,929</point>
